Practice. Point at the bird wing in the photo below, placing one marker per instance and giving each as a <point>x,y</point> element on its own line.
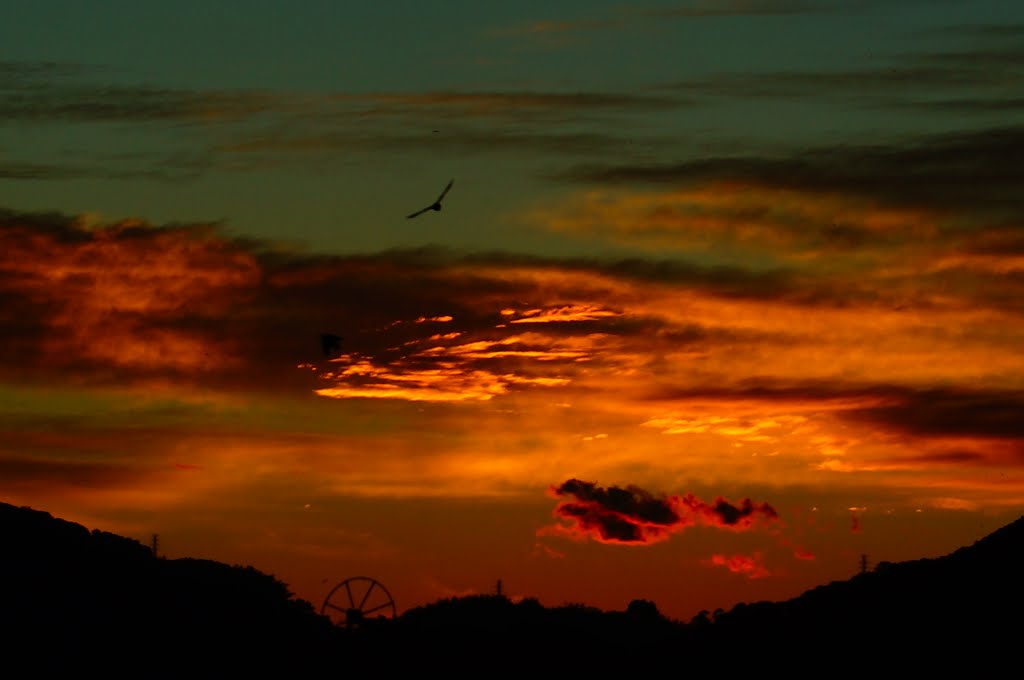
<point>418,212</point>
<point>450,182</point>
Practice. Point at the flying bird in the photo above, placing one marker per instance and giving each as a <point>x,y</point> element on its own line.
<point>330,344</point>
<point>436,205</point>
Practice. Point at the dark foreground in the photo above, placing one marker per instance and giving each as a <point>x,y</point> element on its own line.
<point>81,603</point>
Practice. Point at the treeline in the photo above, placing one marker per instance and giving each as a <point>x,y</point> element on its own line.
<point>75,601</point>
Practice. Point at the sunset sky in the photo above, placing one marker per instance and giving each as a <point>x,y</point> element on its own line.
<point>725,294</point>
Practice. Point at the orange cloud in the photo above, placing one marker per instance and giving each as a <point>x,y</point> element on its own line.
<point>703,373</point>
<point>564,313</point>
<point>117,294</point>
<point>455,367</point>
<point>786,223</point>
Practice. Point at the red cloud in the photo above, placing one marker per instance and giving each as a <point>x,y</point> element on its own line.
<point>750,566</point>
<point>803,554</point>
<point>634,516</point>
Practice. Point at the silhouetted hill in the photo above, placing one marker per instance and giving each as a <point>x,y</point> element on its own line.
<point>73,600</point>
<point>481,632</point>
<point>962,607</point>
<point>79,601</point>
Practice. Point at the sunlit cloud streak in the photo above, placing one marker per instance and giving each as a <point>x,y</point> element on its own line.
<point>51,94</point>
<point>791,225</point>
<point>434,369</point>
<point>997,414</point>
<point>187,300</point>
<point>25,472</point>
<point>276,146</point>
<point>567,313</point>
<point>785,371</point>
<point>972,170</point>
<point>46,91</point>
<point>35,171</point>
<point>967,426</point>
<point>476,103</point>
<point>635,516</point>
<point>240,130</point>
<point>922,79</point>
<point>751,566</point>
<point>980,30</point>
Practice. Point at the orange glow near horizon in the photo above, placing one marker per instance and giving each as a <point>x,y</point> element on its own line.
<point>715,418</point>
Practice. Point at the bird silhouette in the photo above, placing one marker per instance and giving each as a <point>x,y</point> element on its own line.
<point>436,205</point>
<point>330,344</point>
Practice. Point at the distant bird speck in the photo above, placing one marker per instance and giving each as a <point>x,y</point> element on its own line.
<point>330,344</point>
<point>436,205</point>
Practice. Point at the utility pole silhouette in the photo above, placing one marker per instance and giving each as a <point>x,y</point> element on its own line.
<point>499,588</point>
<point>863,564</point>
<point>155,545</point>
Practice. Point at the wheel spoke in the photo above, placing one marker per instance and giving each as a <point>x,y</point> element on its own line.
<point>351,600</point>
<point>366,595</point>
<point>354,613</point>
<point>379,607</point>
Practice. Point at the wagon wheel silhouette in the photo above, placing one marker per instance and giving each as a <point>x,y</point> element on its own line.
<point>357,599</point>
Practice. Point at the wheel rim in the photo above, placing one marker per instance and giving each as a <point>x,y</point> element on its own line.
<point>357,600</point>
